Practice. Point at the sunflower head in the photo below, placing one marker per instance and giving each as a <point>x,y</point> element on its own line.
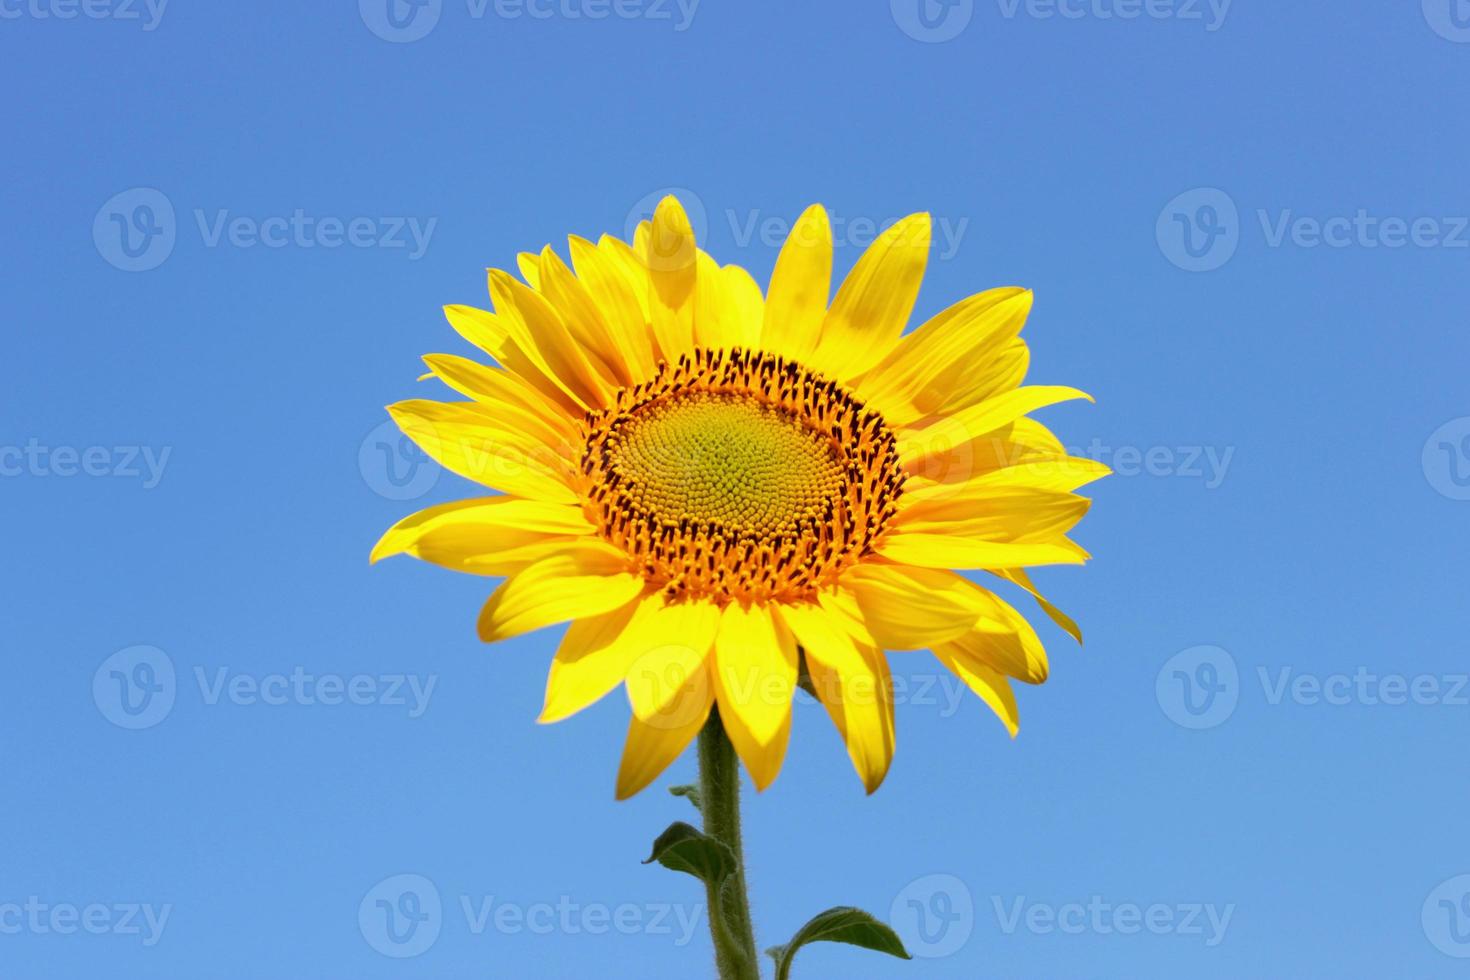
<point>720,489</point>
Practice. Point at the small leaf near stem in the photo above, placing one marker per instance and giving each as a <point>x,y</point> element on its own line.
<point>689,791</point>
<point>842,924</point>
<point>683,848</point>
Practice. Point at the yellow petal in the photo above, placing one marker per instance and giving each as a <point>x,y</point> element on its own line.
<point>506,340</point>
<point>586,579</point>
<point>853,683</point>
<point>711,309</point>
<point>594,657</point>
<point>530,268</point>
<point>539,329</point>
<point>507,394</point>
<point>473,441</point>
<point>481,328</point>
<point>620,306</point>
<point>484,536</point>
<point>801,286</point>
<point>922,373</point>
<point>948,456</point>
<point>673,642</point>
<point>583,319</point>
<point>990,685</point>
<point>1003,639</point>
<point>1019,577</point>
<point>745,308</point>
<point>1003,513</point>
<point>908,608</point>
<point>727,308</point>
<point>943,551</point>
<point>941,436</point>
<point>875,300</point>
<point>655,742</point>
<point>623,259</point>
<point>995,376</point>
<point>755,676</point>
<point>671,256</point>
<point>1057,473</point>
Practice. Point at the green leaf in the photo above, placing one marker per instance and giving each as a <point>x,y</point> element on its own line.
<point>842,924</point>
<point>682,848</point>
<point>691,791</point>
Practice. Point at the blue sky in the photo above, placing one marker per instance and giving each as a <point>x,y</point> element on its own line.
<point>1246,228</point>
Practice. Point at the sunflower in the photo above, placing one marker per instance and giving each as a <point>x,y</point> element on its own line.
<point>729,495</point>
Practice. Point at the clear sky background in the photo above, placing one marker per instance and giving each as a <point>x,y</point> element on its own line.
<point>189,430</point>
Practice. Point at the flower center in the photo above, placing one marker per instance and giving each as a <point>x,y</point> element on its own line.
<point>740,475</point>
<point>725,460</point>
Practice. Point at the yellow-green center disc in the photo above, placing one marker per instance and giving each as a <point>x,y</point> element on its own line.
<point>726,459</point>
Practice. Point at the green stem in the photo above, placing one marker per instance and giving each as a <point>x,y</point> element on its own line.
<point>719,799</point>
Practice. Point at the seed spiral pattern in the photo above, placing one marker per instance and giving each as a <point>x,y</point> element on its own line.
<point>736,474</point>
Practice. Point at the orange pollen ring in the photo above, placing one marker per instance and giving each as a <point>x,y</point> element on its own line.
<point>740,475</point>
